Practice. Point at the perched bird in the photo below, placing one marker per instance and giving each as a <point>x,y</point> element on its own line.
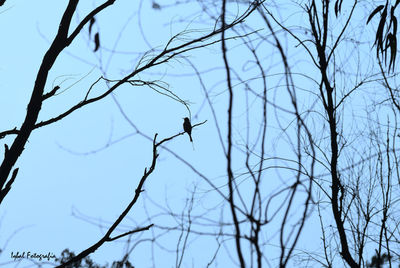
<point>187,127</point>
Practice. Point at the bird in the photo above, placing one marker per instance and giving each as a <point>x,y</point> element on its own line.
<point>187,127</point>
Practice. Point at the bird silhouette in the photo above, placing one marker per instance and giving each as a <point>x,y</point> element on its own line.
<point>187,127</point>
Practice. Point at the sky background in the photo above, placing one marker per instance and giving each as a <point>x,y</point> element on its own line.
<point>67,171</point>
<point>77,175</point>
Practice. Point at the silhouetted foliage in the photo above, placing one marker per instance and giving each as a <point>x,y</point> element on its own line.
<point>91,23</point>
<point>86,262</point>
<point>96,42</point>
<point>386,33</point>
<point>156,6</point>
<point>378,261</point>
<point>338,7</point>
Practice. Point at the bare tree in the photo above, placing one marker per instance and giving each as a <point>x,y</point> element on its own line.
<point>176,47</point>
<point>302,141</point>
<point>343,162</point>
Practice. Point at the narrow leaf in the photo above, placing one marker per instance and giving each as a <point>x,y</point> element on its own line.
<point>340,5</point>
<point>379,8</point>
<point>394,19</point>
<point>336,7</point>
<point>393,51</point>
<point>92,21</point>
<point>387,45</point>
<point>379,32</point>
<point>96,42</point>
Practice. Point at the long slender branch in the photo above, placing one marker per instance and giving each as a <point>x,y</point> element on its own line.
<point>163,57</point>
<point>330,110</point>
<point>35,103</point>
<point>137,230</point>
<point>107,237</point>
<point>229,149</point>
<point>60,42</point>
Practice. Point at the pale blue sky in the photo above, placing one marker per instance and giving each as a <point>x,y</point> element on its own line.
<point>91,161</point>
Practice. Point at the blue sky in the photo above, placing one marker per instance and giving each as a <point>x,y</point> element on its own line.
<point>77,175</point>
<point>59,176</point>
